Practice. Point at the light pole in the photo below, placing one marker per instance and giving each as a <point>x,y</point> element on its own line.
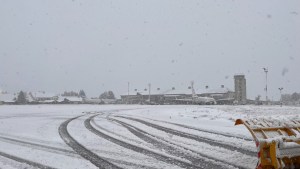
<point>127,93</point>
<point>149,91</point>
<point>266,89</point>
<point>280,89</point>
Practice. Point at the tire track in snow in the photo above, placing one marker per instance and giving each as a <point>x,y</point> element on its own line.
<point>203,130</point>
<point>21,160</point>
<point>35,145</point>
<point>62,151</point>
<point>193,137</point>
<point>138,149</point>
<point>81,150</point>
<point>116,134</point>
<point>164,145</point>
<point>144,134</point>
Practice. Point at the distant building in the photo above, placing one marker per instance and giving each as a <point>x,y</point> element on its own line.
<point>42,97</point>
<point>240,89</point>
<point>92,101</point>
<point>70,100</point>
<point>177,96</point>
<point>7,98</point>
<point>157,96</point>
<point>222,95</point>
<point>134,97</point>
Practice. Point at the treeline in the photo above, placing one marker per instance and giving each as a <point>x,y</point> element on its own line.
<point>29,98</point>
<point>291,98</point>
<point>107,95</point>
<point>81,93</point>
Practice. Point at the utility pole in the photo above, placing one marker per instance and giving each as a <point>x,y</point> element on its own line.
<point>266,89</point>
<point>280,89</point>
<point>193,92</point>
<point>127,93</point>
<point>149,91</point>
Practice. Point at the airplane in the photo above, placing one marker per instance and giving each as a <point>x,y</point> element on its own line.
<point>195,99</point>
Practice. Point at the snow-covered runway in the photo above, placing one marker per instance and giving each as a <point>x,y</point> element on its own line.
<point>130,136</point>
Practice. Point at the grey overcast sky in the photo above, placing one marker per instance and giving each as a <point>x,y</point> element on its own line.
<point>99,45</point>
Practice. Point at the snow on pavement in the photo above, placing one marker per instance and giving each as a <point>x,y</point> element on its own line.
<point>30,133</point>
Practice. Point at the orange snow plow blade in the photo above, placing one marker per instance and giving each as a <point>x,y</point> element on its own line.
<point>277,142</point>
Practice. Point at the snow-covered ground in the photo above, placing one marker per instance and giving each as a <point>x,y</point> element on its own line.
<point>130,136</point>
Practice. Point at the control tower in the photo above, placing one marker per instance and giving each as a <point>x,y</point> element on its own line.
<point>240,89</point>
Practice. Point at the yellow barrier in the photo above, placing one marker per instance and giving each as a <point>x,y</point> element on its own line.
<point>277,142</point>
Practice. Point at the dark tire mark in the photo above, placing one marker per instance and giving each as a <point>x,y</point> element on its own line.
<point>187,149</point>
<point>162,145</point>
<point>203,130</point>
<point>29,144</point>
<point>65,152</point>
<point>130,164</point>
<point>193,137</point>
<point>21,160</point>
<point>81,150</point>
<point>155,155</point>
<point>116,134</point>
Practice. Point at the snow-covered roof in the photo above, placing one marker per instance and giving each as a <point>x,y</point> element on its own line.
<point>7,97</point>
<point>70,98</point>
<point>29,97</point>
<point>214,91</point>
<point>108,101</point>
<point>47,101</point>
<point>159,92</point>
<point>92,100</point>
<point>177,92</point>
